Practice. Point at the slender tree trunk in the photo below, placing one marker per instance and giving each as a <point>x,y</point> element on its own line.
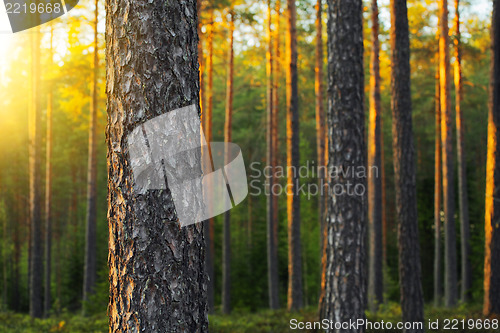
<point>320,118</point>
<point>345,289</point>
<point>375,277</point>
<point>226,245</point>
<point>491,303</point>
<point>295,296</point>
<point>36,259</point>
<point>48,194</point>
<point>450,253</point>
<point>90,273</point>
<point>272,259</point>
<point>157,279</point>
<point>412,302</point>
<point>462,171</point>
<point>384,202</point>
<point>438,192</point>
<point>275,132</point>
<point>209,225</point>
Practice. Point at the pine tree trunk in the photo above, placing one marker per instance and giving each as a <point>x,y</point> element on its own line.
<point>462,170</point>
<point>450,255</point>
<point>345,281</point>
<point>491,303</point>
<point>48,194</point>
<point>375,277</point>
<point>226,245</point>
<point>412,302</point>
<point>276,78</point>
<point>320,146</point>
<point>295,293</point>
<point>157,278</point>
<point>272,259</point>
<point>90,273</point>
<point>438,192</point>
<point>208,226</point>
<point>36,259</point>
<point>320,118</point>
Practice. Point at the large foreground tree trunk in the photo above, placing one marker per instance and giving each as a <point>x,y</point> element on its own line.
<point>345,281</point>
<point>157,278</point>
<point>375,277</point>
<point>412,302</point>
<point>450,252</point>
<point>295,293</point>
<point>491,303</point>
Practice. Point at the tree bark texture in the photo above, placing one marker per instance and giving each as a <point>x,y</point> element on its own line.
<point>157,277</point>
<point>412,302</point>
<point>345,281</point>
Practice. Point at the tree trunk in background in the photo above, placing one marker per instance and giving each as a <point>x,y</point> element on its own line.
<point>48,193</point>
<point>226,245</point>
<point>208,226</point>
<point>491,303</point>
<point>276,79</point>
<point>462,167</point>
<point>272,258</point>
<point>345,286</point>
<point>412,302</point>
<point>295,292</point>
<point>320,147</point>
<point>157,278</point>
<point>320,118</point>
<point>35,137</point>
<point>375,277</point>
<point>90,273</point>
<point>438,192</point>
<point>450,253</point>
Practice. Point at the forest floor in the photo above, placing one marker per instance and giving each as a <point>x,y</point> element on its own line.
<point>238,321</point>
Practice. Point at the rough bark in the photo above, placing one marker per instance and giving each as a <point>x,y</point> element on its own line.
<point>36,259</point>
<point>450,252</point>
<point>375,277</point>
<point>463,201</point>
<point>90,272</point>
<point>272,258</point>
<point>438,192</point>
<point>491,304</point>
<point>295,292</point>
<point>157,278</point>
<point>345,282</point>
<point>226,244</point>
<point>209,225</point>
<point>412,302</point>
<point>48,194</point>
